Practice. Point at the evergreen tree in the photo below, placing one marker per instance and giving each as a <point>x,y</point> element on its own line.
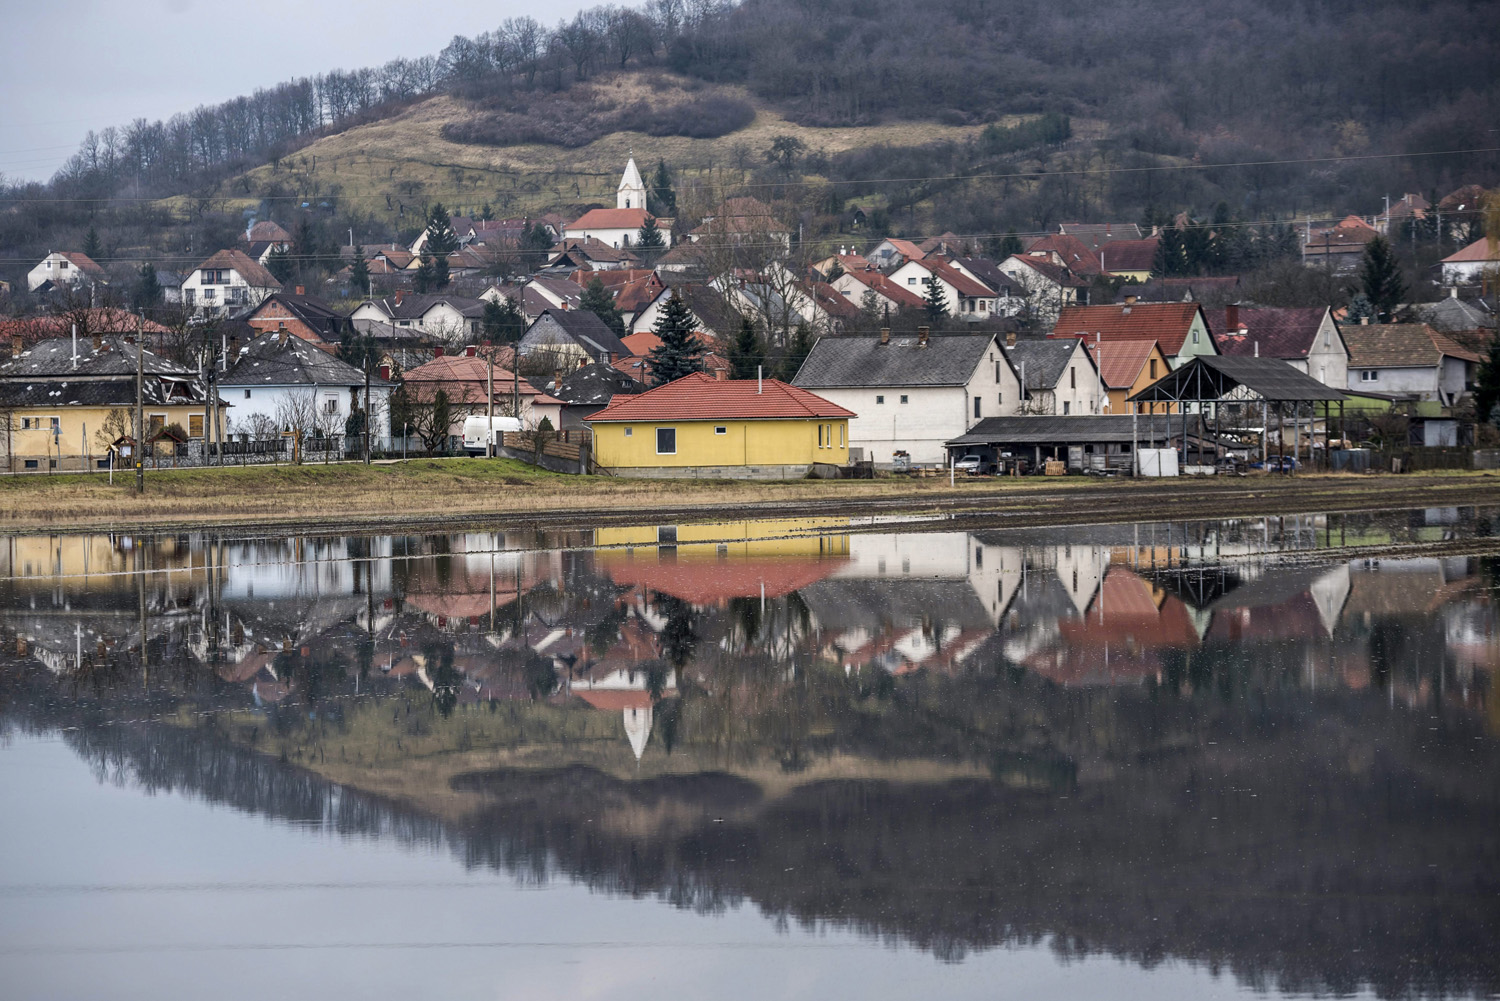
<point>648,238</point>
<point>1010,245</point>
<point>1380,277</point>
<point>503,322</point>
<point>1171,260</point>
<point>597,299</point>
<point>796,352</point>
<point>661,198</point>
<point>1360,308</point>
<point>280,264</point>
<point>1487,384</point>
<point>835,271</point>
<point>936,300</point>
<point>440,238</point>
<point>359,273</point>
<point>486,213</point>
<point>306,243</point>
<point>437,270</point>
<point>146,291</point>
<point>422,280</point>
<point>680,352</point>
<point>92,248</point>
<point>442,419</point>
<point>746,356</point>
<point>535,243</point>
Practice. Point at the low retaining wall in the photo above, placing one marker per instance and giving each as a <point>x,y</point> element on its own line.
<point>793,472</point>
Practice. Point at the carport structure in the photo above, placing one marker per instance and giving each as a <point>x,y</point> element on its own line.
<point>1232,391</point>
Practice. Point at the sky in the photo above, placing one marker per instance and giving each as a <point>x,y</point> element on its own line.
<point>76,65</point>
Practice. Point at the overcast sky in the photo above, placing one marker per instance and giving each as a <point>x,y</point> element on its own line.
<point>75,65</point>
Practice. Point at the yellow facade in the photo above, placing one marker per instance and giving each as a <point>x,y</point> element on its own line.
<point>1155,368</point>
<point>769,537</point>
<point>787,442</point>
<point>77,443</point>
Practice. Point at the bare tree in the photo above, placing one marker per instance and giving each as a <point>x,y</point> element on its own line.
<point>297,417</point>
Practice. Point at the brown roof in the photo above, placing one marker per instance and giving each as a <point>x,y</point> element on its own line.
<point>1400,345</point>
<point>254,275</point>
<point>1167,323</point>
<point>465,379</point>
<point>267,232</point>
<point>83,262</point>
<point>595,249</point>
<point>1055,273</point>
<point>701,397</point>
<point>884,286</point>
<point>1351,232</point>
<point>1128,255</point>
<point>743,215</point>
<point>1120,362</point>
<point>965,285</point>
<point>1479,251</point>
<point>1466,198</point>
<point>905,248</point>
<point>90,321</point>
<point>610,219</point>
<point>1273,332</point>
<point>1072,253</point>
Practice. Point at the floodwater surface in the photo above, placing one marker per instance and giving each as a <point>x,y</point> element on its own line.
<point>761,759</point>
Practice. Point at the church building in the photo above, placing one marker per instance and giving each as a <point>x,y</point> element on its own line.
<point>621,226</point>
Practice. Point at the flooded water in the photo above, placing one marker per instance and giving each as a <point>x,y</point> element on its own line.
<point>800,758</point>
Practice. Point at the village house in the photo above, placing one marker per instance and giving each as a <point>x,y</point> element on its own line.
<point>280,383</point>
<point>910,394</point>
<point>65,401</point>
<point>63,268</point>
<point>1126,368</point>
<point>697,426</point>
<point>590,389</point>
<point>1340,247</point>
<point>966,298</point>
<point>227,281</point>
<point>541,294</point>
<point>264,238</point>
<point>1470,265</point>
<point>1058,377</point>
<point>854,285</point>
<point>451,319</point>
<point>301,315</point>
<point>892,253</point>
<point>713,317</point>
<point>744,221</point>
<point>1308,339</point>
<point>569,337</point>
<point>1408,361</point>
<point>1039,289</point>
<point>467,378</point>
<point>1179,327</point>
<point>1068,251</point>
<point>620,226</point>
<point>589,254</point>
<point>1132,260</point>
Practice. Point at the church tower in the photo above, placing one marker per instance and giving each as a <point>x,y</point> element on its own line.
<point>632,193</point>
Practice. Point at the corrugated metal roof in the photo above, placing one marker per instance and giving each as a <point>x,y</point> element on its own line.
<point>1211,377</point>
<point>1084,430</point>
<point>858,362</point>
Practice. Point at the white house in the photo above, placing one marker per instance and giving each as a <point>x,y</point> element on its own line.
<point>853,285</point>
<point>1468,266</point>
<point>1408,360</point>
<point>911,394</point>
<point>452,318</point>
<point>621,225</point>
<point>226,282</point>
<point>1059,376</point>
<point>64,268</point>
<point>278,376</point>
<point>1039,288</point>
<point>967,298</point>
<point>1306,338</point>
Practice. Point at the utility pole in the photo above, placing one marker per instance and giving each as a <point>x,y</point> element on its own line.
<point>140,424</point>
<point>367,407</point>
<point>489,403</point>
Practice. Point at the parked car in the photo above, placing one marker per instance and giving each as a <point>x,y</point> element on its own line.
<point>1277,464</point>
<point>477,436</point>
<point>970,463</point>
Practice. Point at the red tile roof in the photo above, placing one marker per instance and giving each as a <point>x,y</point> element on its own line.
<point>1128,255</point>
<point>1275,333</point>
<point>610,219</point>
<point>898,294</point>
<point>906,248</point>
<point>1052,272</point>
<point>83,262</point>
<point>250,270</point>
<point>1120,362</point>
<point>743,215</point>
<point>709,582</point>
<point>1167,323</point>
<point>964,285</point>
<point>1072,253</point>
<point>1479,251</point>
<point>701,397</point>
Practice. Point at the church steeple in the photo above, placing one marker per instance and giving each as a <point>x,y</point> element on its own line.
<point>632,193</point>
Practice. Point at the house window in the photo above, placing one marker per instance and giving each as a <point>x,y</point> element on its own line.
<point>976,408</point>
<point>628,432</point>
<point>903,398</point>
<point>31,464</point>
<point>821,442</point>
<point>1368,375</point>
<point>247,394</point>
<point>666,441</point>
<point>911,281</point>
<point>999,399</point>
<point>29,423</point>
<point>1153,368</point>
<point>666,535</point>
<point>721,430</point>
<point>843,430</point>
<point>1072,378</point>
<point>1066,406</point>
<point>879,400</point>
<point>1195,337</point>
<point>195,426</point>
<point>56,424</point>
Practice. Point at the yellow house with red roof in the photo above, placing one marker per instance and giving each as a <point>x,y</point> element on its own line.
<point>701,427</point>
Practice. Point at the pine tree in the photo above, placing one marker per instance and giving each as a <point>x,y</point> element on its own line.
<point>649,237</point>
<point>1380,277</point>
<point>147,290</point>
<point>534,245</point>
<point>422,280</point>
<point>1360,308</point>
<point>1487,384</point>
<point>796,352</point>
<point>1011,245</point>
<point>503,322</point>
<point>936,300</point>
<point>746,356</point>
<point>835,271</point>
<point>661,198</point>
<point>280,264</point>
<point>597,299</point>
<point>680,352</point>
<point>92,248</point>
<point>359,273</point>
<point>440,238</point>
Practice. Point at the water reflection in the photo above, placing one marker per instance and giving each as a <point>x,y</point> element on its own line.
<point>1224,742</point>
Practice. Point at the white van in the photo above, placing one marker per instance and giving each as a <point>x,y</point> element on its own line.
<point>476,437</point>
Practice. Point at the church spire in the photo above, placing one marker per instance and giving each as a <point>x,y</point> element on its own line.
<point>632,192</point>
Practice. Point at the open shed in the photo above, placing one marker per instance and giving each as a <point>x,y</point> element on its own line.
<point>1089,442</point>
<point>1238,394</point>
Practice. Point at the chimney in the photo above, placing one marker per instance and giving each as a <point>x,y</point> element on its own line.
<point>98,343</point>
<point>1257,348</point>
<point>470,351</point>
<point>1010,339</point>
<point>302,290</point>
<point>234,348</point>
<point>1364,321</point>
<point>400,294</point>
<point>75,345</point>
<point>281,338</point>
<point>922,336</point>
<point>437,352</point>
<point>1130,298</point>
<point>885,335</point>
<point>15,346</point>
<point>1231,317</point>
<point>1453,292</point>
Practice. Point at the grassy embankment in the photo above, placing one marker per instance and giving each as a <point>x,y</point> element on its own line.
<point>445,492</point>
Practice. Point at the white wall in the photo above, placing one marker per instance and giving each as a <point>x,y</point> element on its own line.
<point>51,267</point>
<point>1328,361</point>
<point>266,399</point>
<point>236,293</point>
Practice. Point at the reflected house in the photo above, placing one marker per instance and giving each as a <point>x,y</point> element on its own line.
<point>1281,604</point>
<point>626,688</point>
<point>1119,638</point>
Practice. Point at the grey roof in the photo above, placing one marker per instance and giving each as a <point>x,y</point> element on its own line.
<point>584,328</point>
<point>709,306</point>
<point>1043,361</point>
<point>97,392</point>
<point>1453,313</point>
<point>597,384</point>
<point>54,358</point>
<point>1211,377</point>
<point>271,360</point>
<point>1084,430</point>
<point>987,271</point>
<point>858,362</point>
